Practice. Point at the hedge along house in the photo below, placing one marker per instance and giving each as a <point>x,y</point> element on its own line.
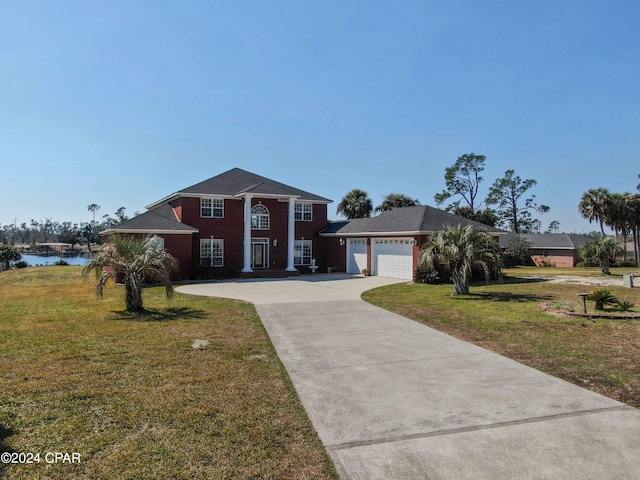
<point>389,244</point>
<point>235,223</point>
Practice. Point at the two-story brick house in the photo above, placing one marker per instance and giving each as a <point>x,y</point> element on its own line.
<point>236,222</point>
<point>240,223</point>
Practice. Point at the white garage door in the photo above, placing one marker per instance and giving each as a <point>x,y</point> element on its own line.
<point>393,257</point>
<point>356,255</point>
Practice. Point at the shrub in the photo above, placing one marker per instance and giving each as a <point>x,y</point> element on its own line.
<point>520,250</point>
<point>622,263</point>
<point>8,254</point>
<point>21,264</point>
<point>625,306</point>
<point>424,275</point>
<point>602,298</point>
<point>61,262</point>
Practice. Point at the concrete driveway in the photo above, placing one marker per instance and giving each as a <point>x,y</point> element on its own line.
<point>393,399</point>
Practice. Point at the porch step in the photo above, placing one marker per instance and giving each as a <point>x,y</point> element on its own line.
<point>269,273</point>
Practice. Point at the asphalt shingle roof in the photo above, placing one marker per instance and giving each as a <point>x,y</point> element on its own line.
<point>422,218</point>
<point>237,181</point>
<point>160,218</point>
<point>557,241</point>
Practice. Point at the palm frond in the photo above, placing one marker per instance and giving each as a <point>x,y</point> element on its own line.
<point>134,260</point>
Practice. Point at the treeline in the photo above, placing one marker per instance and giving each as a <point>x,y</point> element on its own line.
<point>85,233</point>
<point>508,204</point>
<point>618,211</point>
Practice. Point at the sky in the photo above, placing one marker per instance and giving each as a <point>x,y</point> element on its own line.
<point>121,103</point>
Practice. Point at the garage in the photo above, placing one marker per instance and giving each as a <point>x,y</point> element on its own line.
<point>394,239</point>
<point>393,257</point>
<point>356,255</point>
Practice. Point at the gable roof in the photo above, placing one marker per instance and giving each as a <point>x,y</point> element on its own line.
<point>406,220</point>
<point>161,219</point>
<point>237,182</point>
<point>551,241</point>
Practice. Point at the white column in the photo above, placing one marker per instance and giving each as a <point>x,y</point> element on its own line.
<point>247,234</point>
<point>291,234</point>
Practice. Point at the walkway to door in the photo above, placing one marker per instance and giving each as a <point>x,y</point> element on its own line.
<point>393,399</point>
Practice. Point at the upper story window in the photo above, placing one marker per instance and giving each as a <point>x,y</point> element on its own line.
<point>259,217</point>
<point>212,207</point>
<point>303,212</point>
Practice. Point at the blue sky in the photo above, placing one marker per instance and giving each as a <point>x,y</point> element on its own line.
<point>121,103</point>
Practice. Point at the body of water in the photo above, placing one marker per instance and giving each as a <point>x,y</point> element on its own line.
<point>34,260</point>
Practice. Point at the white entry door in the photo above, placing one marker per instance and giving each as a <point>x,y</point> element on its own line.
<point>393,257</point>
<point>356,255</point>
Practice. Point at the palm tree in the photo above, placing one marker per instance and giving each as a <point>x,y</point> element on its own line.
<point>602,249</point>
<point>594,206</point>
<point>634,223</point>
<point>620,215</point>
<point>93,208</point>
<point>355,204</point>
<point>460,249</point>
<point>396,200</point>
<point>132,260</point>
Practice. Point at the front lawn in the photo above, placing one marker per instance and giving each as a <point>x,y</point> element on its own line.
<point>601,355</point>
<point>132,395</point>
<point>616,272</point>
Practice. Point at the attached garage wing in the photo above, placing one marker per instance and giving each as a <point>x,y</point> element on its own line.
<point>393,257</point>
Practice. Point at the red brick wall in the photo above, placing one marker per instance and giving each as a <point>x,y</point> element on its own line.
<point>231,229</point>
<point>310,231</point>
<point>177,208</point>
<point>278,222</point>
<point>555,258</point>
<point>332,254</point>
<point>420,241</point>
<point>177,245</point>
<point>180,247</point>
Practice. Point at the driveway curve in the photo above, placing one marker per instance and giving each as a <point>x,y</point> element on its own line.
<point>394,399</point>
<point>302,289</point>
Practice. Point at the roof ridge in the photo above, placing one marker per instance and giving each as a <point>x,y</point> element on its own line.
<point>235,180</point>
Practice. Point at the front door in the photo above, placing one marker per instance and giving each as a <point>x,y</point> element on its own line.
<point>259,253</point>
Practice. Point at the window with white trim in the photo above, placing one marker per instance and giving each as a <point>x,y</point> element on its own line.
<point>303,212</point>
<point>212,207</point>
<point>259,217</point>
<point>302,252</point>
<point>211,252</point>
<point>395,241</point>
<point>156,242</point>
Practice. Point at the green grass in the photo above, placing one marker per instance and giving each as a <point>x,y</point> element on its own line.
<point>508,318</point>
<point>579,271</point>
<point>133,397</point>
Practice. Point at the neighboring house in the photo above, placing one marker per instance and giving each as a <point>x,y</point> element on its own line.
<point>550,249</point>
<point>239,223</point>
<point>389,244</point>
<point>236,222</point>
